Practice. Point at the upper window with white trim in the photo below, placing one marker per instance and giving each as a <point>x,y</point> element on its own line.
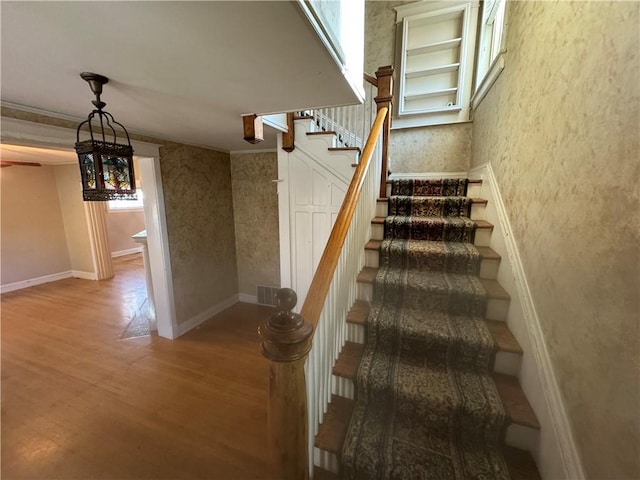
<point>436,62</point>
<point>127,205</point>
<point>491,47</point>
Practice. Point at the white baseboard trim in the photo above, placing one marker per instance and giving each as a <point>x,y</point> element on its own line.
<point>246,298</point>
<point>128,251</point>
<point>54,277</point>
<point>555,404</point>
<point>84,275</point>
<point>193,322</point>
<point>427,175</point>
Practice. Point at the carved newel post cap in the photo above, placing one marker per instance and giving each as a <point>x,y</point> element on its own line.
<point>286,336</point>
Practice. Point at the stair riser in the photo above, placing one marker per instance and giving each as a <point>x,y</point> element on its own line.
<point>507,363</point>
<point>377,231</point>
<point>326,460</point>
<point>489,269</point>
<point>478,211</point>
<point>343,387</point>
<point>382,209</point>
<point>497,308</point>
<point>371,258</point>
<point>483,237</point>
<point>355,333</point>
<point>525,438</point>
<point>474,190</point>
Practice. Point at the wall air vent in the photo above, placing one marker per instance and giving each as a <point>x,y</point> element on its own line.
<point>267,295</point>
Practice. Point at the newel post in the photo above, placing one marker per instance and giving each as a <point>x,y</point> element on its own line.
<point>385,99</point>
<point>286,340</point>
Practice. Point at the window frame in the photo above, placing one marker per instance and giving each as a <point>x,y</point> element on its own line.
<point>492,48</point>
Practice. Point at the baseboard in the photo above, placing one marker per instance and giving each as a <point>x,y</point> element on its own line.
<point>54,277</point>
<point>426,175</point>
<point>84,275</point>
<point>555,404</point>
<point>128,251</point>
<point>246,298</point>
<point>193,322</point>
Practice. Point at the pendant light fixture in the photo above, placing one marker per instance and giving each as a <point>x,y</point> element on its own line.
<point>106,166</point>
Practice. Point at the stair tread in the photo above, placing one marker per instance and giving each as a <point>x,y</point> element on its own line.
<point>515,401</point>
<point>494,289</point>
<point>348,361</point>
<point>503,337</point>
<point>378,220</point>
<point>488,253</point>
<point>475,181</point>
<point>373,245</point>
<point>483,224</point>
<point>367,275</point>
<point>322,474</point>
<point>330,132</point>
<point>333,428</point>
<point>359,312</point>
<point>346,149</point>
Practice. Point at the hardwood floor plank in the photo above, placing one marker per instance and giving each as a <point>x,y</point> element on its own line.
<point>80,402</point>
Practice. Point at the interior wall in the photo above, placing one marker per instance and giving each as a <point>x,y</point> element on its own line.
<point>200,227</point>
<point>561,130</point>
<point>121,224</point>
<point>33,242</point>
<point>255,207</point>
<point>439,148</point>
<point>69,186</point>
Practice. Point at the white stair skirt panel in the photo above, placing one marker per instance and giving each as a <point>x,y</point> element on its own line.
<point>311,186</point>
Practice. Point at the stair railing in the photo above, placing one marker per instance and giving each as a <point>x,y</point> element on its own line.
<point>303,348</point>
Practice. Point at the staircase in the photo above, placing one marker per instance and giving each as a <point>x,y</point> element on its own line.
<point>515,422</point>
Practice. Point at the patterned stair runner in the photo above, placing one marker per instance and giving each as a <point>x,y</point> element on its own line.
<point>426,406</point>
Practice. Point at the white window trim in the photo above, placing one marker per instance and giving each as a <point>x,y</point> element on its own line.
<point>460,112</point>
<point>137,208</point>
<point>485,81</point>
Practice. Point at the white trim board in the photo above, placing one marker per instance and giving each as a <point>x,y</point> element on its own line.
<point>127,251</point>
<point>54,277</point>
<point>427,175</point>
<point>246,298</point>
<point>202,317</point>
<point>552,408</point>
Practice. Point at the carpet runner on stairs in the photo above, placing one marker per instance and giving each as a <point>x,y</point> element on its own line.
<point>426,405</point>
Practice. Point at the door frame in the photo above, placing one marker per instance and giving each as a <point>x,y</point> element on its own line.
<point>33,134</point>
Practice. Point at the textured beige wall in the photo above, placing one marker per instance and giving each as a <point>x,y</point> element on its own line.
<point>199,211</point>
<point>32,242</point>
<point>76,229</point>
<point>440,148</point>
<point>561,131</point>
<point>255,207</point>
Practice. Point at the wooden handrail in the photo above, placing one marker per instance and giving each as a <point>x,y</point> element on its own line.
<point>371,79</point>
<point>287,337</point>
<point>324,274</point>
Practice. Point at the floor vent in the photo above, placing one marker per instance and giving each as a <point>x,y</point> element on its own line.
<point>267,295</point>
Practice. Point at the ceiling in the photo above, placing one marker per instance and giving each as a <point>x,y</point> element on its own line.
<point>46,156</point>
<point>181,71</point>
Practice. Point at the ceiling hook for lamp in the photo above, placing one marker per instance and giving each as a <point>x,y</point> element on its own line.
<point>95,82</point>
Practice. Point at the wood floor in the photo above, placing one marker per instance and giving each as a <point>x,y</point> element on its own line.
<point>80,403</point>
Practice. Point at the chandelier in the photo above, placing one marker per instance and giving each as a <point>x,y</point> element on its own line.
<point>106,166</point>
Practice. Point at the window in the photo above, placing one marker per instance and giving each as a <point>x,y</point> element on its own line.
<point>491,47</point>
<point>120,205</point>
<point>436,62</point>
